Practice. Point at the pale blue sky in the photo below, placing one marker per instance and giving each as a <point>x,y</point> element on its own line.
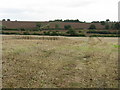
<point>43,10</point>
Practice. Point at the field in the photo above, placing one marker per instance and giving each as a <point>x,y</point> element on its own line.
<point>59,62</point>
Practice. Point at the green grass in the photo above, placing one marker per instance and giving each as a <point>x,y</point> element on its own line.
<point>116,46</point>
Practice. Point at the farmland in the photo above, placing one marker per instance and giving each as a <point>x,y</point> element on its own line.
<point>62,62</point>
<point>61,28</point>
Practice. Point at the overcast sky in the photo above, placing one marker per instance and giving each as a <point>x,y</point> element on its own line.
<point>43,10</point>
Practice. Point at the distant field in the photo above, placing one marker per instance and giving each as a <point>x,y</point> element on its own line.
<point>63,62</point>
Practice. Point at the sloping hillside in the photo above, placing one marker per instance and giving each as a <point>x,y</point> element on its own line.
<point>31,24</point>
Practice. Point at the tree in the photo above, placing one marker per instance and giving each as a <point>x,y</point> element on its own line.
<point>3,20</point>
<point>8,19</point>
<point>72,32</point>
<point>0,27</point>
<point>102,22</point>
<point>107,20</point>
<point>95,22</point>
<point>107,26</point>
<point>113,26</point>
<point>92,26</point>
<point>58,20</point>
<point>56,26</point>
<point>22,29</point>
<point>38,26</point>
<point>67,20</point>
<point>67,27</point>
<point>54,33</point>
<point>117,26</point>
<point>3,27</point>
<point>48,27</point>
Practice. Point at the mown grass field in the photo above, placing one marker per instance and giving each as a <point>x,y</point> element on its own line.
<point>59,62</point>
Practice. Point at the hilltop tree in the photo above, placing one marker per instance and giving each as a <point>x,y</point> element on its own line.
<point>92,26</point>
<point>67,20</point>
<point>107,20</point>
<point>58,20</point>
<point>95,22</point>
<point>8,19</point>
<point>102,22</point>
<point>3,20</point>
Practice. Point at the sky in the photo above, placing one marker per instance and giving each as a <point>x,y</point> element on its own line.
<point>44,10</point>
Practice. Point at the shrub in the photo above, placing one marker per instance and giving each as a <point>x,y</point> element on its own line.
<point>54,33</point>
<point>22,29</point>
<point>117,26</point>
<point>102,22</point>
<point>80,31</point>
<point>26,33</point>
<point>36,34</point>
<point>92,26</point>
<point>8,33</point>
<point>67,27</point>
<point>102,32</point>
<point>56,26</point>
<point>46,33</point>
<point>107,26</point>
<point>82,35</point>
<point>72,32</point>
<point>105,35</point>
<point>8,19</point>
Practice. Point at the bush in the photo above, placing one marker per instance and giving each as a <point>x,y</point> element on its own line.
<point>46,33</point>
<point>117,26</point>
<point>102,22</point>
<point>36,34</point>
<point>80,31</point>
<point>62,33</point>
<point>67,27</point>
<point>26,33</point>
<point>9,33</point>
<point>92,26</point>
<point>54,33</point>
<point>72,32</point>
<point>105,36</point>
<point>82,35</point>
<point>102,32</point>
<point>22,29</point>
<point>107,27</point>
<point>57,26</point>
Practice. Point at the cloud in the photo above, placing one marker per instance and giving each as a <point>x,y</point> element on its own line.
<point>20,10</point>
<point>11,10</point>
<point>87,10</point>
<point>69,3</point>
<point>79,4</point>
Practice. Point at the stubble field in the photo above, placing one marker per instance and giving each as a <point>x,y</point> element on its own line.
<point>59,62</point>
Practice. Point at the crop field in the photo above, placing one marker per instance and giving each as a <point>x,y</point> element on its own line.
<point>59,62</point>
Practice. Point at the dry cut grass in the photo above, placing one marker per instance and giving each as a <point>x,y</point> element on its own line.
<point>37,62</point>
